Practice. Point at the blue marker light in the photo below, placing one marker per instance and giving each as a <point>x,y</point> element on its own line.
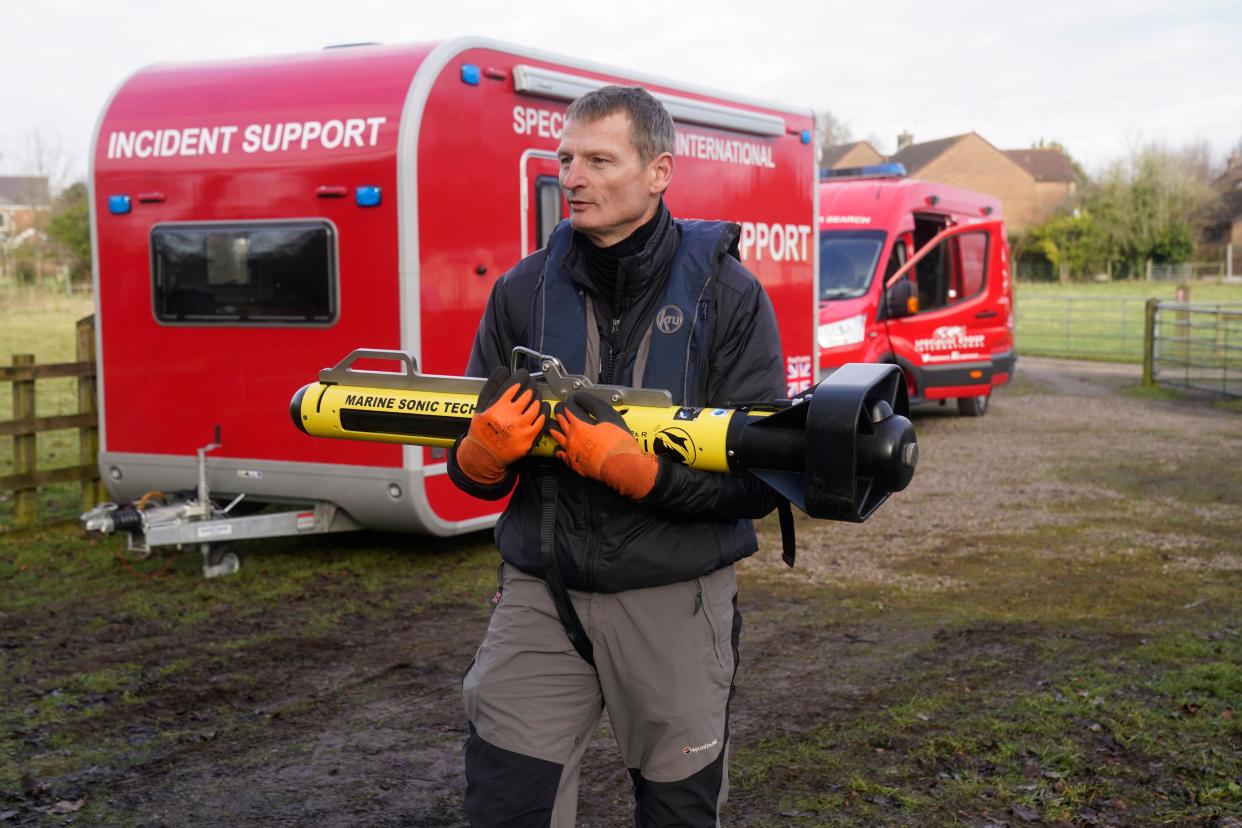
<point>118,205</point>
<point>890,170</point>
<point>367,196</point>
<point>806,136</point>
<point>470,74</point>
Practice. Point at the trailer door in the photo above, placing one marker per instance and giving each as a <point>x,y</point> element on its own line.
<point>543,203</point>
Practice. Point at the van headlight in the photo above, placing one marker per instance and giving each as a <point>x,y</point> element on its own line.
<point>846,332</point>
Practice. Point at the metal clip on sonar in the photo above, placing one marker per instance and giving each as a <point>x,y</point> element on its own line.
<point>837,451</point>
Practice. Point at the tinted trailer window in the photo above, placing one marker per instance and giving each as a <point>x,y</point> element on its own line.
<point>245,273</point>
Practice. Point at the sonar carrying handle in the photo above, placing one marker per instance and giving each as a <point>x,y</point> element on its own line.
<point>836,452</point>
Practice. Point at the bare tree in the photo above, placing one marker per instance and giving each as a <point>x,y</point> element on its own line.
<point>42,155</point>
<point>830,131</point>
<point>41,160</point>
<point>1196,159</point>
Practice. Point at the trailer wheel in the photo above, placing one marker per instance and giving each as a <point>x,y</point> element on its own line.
<point>220,559</point>
<point>973,406</point>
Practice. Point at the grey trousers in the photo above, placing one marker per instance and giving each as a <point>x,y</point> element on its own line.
<point>665,661</point>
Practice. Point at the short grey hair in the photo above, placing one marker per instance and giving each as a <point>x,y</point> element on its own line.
<point>651,127</point>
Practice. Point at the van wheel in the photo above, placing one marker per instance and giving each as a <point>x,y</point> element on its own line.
<point>973,406</point>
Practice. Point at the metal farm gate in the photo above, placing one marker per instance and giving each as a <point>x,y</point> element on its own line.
<point>1194,345</point>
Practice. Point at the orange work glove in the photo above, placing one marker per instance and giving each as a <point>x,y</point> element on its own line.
<point>508,419</point>
<point>595,442</point>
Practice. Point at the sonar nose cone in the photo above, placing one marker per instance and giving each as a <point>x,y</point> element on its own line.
<point>861,447</point>
<point>295,408</point>
<point>890,453</point>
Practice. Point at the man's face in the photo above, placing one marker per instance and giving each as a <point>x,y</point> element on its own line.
<point>611,191</point>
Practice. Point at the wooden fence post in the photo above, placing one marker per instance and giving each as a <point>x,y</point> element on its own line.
<point>25,500</point>
<point>88,437</point>
<point>1149,343</point>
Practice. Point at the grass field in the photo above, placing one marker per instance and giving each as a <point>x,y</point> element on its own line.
<point>1102,321</point>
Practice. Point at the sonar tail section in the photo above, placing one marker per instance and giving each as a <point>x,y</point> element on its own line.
<point>840,452</point>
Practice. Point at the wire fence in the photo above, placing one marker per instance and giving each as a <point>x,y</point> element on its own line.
<point>1079,327</point>
<point>1186,271</point>
<point>1197,346</point>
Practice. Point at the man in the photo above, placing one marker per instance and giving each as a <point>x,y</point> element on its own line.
<point>617,589</point>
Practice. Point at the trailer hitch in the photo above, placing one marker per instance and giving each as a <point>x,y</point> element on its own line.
<point>837,451</point>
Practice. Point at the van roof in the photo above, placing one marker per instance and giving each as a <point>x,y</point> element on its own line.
<point>879,203</point>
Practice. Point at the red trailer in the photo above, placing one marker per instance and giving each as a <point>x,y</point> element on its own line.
<point>255,220</point>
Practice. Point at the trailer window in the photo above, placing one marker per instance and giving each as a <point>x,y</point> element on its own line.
<point>245,273</point>
<point>550,204</point>
<point>847,261</point>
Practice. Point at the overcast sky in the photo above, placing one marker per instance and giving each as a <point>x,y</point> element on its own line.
<point>1100,77</point>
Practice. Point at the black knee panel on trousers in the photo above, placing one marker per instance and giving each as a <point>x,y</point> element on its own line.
<point>686,803</point>
<point>504,788</point>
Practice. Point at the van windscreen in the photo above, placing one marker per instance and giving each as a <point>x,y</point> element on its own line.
<point>847,262</point>
<point>244,273</point>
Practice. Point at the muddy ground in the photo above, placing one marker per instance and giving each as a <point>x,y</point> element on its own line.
<point>1044,629</point>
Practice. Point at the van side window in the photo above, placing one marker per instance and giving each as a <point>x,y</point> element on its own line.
<point>953,271</point>
<point>268,273</point>
<point>551,206</point>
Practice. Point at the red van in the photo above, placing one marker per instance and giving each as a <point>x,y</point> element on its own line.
<point>917,274</point>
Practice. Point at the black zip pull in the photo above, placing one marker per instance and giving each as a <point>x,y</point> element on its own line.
<point>698,600</point>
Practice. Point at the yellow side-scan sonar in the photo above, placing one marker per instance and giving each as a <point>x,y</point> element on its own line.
<point>837,451</point>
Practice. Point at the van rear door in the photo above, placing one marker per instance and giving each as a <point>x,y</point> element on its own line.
<point>947,343</point>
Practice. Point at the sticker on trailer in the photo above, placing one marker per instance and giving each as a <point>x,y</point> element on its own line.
<point>547,123</point>
<point>250,474</point>
<point>214,531</point>
<point>251,139</point>
<point>774,242</point>
<point>797,375</point>
<point>305,521</point>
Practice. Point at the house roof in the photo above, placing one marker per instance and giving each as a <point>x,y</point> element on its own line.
<point>917,156</point>
<point>833,154</point>
<point>24,190</point>
<point>1043,164</point>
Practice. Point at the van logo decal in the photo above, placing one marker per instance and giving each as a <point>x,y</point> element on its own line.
<point>669,319</point>
<point>952,338</point>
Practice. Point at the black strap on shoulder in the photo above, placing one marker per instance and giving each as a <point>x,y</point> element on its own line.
<point>787,531</point>
<point>552,571</point>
